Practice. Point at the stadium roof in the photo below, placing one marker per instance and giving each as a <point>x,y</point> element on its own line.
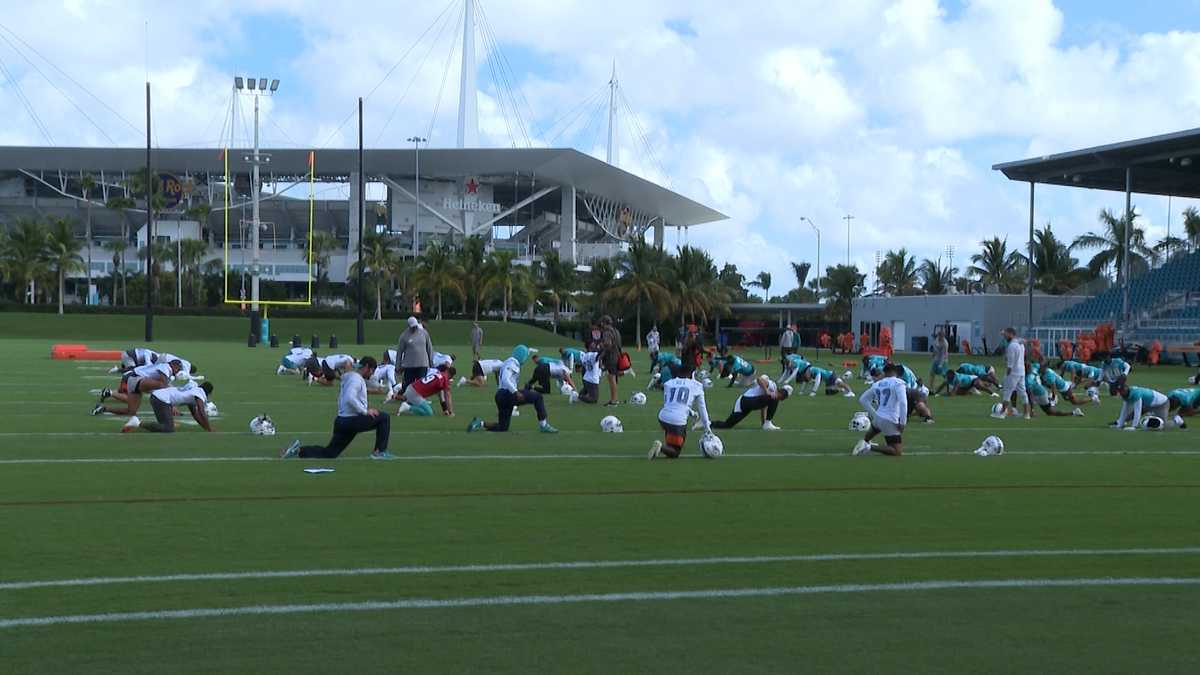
<point>550,165</point>
<point>1160,165</point>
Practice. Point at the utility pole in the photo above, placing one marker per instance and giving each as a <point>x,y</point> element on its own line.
<point>847,218</point>
<point>818,231</point>
<point>362,215</point>
<point>416,235</point>
<point>613,150</point>
<point>256,88</point>
<point>149,229</point>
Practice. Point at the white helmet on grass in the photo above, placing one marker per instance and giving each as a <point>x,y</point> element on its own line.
<point>210,409</point>
<point>711,446</point>
<point>992,447</point>
<point>611,424</point>
<point>262,426</point>
<point>860,422</point>
<point>638,398</point>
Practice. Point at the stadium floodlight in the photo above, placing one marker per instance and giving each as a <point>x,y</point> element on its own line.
<point>262,83</point>
<point>238,83</point>
<point>251,83</point>
<point>274,85</point>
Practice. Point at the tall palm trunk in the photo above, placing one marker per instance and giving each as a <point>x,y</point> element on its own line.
<point>439,303</point>
<point>89,247</point>
<point>639,324</point>
<point>507,292</point>
<point>378,302</point>
<point>61,286</point>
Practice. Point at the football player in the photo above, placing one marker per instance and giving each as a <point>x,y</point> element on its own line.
<point>416,396</point>
<point>681,395</point>
<point>508,397</point>
<point>764,396</point>
<point>887,404</point>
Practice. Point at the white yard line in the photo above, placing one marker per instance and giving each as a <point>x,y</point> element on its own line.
<point>660,596</point>
<point>599,564</point>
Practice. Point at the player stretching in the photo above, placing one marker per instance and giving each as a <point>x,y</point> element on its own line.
<point>435,383</point>
<point>815,376</point>
<point>984,373</point>
<point>132,358</point>
<point>508,397</point>
<point>135,383</point>
<point>589,362</point>
<point>796,364</point>
<point>163,402</point>
<point>680,395</point>
<point>1184,403</point>
<point>1057,385</point>
<point>765,395</point>
<point>354,417</point>
<point>548,368</point>
<point>325,369</point>
<point>1138,400</point>
<point>887,403</point>
<point>1038,394</point>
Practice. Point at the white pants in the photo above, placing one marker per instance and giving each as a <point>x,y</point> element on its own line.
<point>1014,382</point>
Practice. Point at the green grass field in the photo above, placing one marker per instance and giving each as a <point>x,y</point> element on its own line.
<point>1077,551</point>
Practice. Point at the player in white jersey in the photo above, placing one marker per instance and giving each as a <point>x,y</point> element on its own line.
<point>440,359</point>
<point>590,364</point>
<point>132,358</point>
<point>887,403</point>
<point>292,363</point>
<point>545,369</point>
<point>135,383</point>
<point>681,394</point>
<point>764,395</point>
<point>325,369</point>
<point>479,372</point>
<point>163,402</point>
<point>383,380</point>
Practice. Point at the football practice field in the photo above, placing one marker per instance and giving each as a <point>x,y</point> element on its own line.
<point>1078,550</point>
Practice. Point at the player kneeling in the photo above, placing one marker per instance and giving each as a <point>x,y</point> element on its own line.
<point>1184,403</point>
<point>164,400</point>
<point>416,397</point>
<point>887,404</point>
<point>680,395</point>
<point>1136,401</point>
<point>479,372</point>
<point>815,376</point>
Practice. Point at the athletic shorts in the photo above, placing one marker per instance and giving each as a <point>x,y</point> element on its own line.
<point>610,363</point>
<point>1014,383</point>
<point>476,370</point>
<point>676,434</point>
<point>888,428</point>
<point>941,368</point>
<point>164,414</point>
<point>132,383</point>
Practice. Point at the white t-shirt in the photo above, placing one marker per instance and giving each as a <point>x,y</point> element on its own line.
<point>300,353</point>
<point>154,370</point>
<point>391,354</point>
<point>680,395</point>
<point>887,399</point>
<point>1014,357</point>
<point>590,361</point>
<point>754,391</point>
<point>176,396</point>
<point>489,366</point>
<point>558,369</point>
<point>338,362</point>
<point>510,372</point>
<point>384,376</point>
<point>441,359</point>
<point>185,366</point>
<point>143,356</point>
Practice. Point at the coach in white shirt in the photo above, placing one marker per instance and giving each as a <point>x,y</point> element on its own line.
<point>1014,372</point>
<point>887,403</point>
<point>353,418</point>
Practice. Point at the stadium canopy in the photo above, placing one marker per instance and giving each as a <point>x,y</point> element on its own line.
<point>1166,165</point>
<point>563,166</point>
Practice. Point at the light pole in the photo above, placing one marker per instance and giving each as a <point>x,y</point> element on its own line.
<point>416,234</point>
<point>818,231</point>
<point>255,89</point>
<point>847,218</point>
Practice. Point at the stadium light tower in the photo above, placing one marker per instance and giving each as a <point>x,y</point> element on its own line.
<point>818,231</point>
<point>847,218</point>
<point>416,242</point>
<point>255,89</point>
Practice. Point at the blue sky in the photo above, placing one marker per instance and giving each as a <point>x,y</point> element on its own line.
<point>893,110</point>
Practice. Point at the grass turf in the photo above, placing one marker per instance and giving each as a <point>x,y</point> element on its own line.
<point>524,497</point>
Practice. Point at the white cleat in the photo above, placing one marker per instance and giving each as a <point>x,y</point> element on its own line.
<point>516,413</point>
<point>1077,413</point>
<point>280,370</point>
<point>655,450</point>
<point>698,426</point>
<point>861,448</point>
<point>848,394</point>
<point>131,424</point>
<point>404,407</point>
<point>770,426</point>
<point>574,398</point>
<point>461,380</point>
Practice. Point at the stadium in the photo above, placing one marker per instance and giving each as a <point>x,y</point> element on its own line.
<point>485,418</point>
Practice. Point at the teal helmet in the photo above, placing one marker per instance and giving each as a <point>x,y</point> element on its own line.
<point>521,354</point>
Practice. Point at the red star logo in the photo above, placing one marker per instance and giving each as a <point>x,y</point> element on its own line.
<point>472,187</point>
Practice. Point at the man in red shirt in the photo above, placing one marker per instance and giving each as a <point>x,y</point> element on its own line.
<point>436,382</point>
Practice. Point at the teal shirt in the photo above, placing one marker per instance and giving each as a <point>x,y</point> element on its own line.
<point>741,366</point>
<point>973,369</point>
<point>1053,379</point>
<point>1033,387</point>
<point>962,380</point>
<point>575,355</point>
<point>1134,394</point>
<point>826,375</point>
<point>1188,398</point>
<point>909,377</point>
<point>798,362</point>
<point>1091,372</point>
<point>1071,366</point>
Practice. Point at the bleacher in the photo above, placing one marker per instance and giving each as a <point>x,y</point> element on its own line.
<point>1178,276</point>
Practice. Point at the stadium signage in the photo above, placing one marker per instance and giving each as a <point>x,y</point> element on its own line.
<point>458,204</point>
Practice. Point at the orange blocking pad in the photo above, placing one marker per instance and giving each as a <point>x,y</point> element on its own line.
<point>82,353</point>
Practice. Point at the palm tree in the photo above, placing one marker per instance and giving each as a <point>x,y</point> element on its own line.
<point>801,270</point>
<point>378,261</point>
<point>733,282</point>
<point>121,205</point>
<point>1111,245</point>
<point>472,262</point>
<point>641,280</point>
<point>320,247</point>
<point>559,281</point>
<point>1054,270</point>
<point>87,183</point>
<point>763,281</point>
<point>118,248</point>
<point>840,285</point>
<point>500,275</point>
<point>695,285</point>
<point>191,254</point>
<point>935,279</point>
<point>62,254</point>
<point>897,273</point>
<point>1191,223</point>
<point>995,265</point>
<point>162,251</point>
<point>598,281</point>
<point>24,256</point>
<point>437,272</point>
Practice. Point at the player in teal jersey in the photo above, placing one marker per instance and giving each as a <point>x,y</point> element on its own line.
<point>1184,403</point>
<point>665,368</point>
<point>1039,395</point>
<point>571,356</point>
<point>1113,369</point>
<point>985,373</point>
<point>1057,386</point>
<point>872,367</point>
<point>738,370</point>
<point>961,384</point>
<point>795,365</point>
<point>1138,403</point>
<point>833,384</point>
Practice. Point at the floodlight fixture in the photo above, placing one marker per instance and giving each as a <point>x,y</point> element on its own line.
<point>274,85</point>
<point>251,83</point>
<point>238,83</point>
<point>262,83</point>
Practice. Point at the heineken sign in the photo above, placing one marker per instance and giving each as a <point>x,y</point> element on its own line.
<point>460,204</point>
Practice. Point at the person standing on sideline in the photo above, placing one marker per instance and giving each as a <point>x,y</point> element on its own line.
<point>785,344</point>
<point>610,353</point>
<point>653,340</point>
<point>1014,373</point>
<point>941,358</point>
<point>353,418</point>
<point>414,354</point>
<point>476,340</point>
